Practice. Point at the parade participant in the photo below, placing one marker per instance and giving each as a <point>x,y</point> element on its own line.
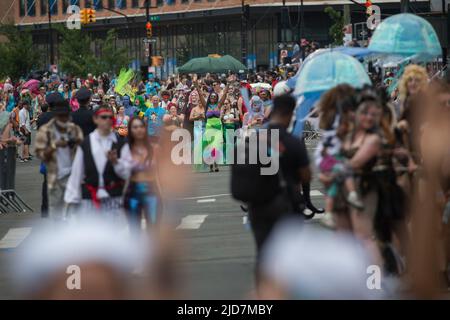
<point>130,109</point>
<point>362,147</point>
<point>197,123</point>
<point>264,94</point>
<point>154,119</point>
<point>255,116</point>
<point>66,92</point>
<point>25,130</point>
<point>142,195</point>
<point>139,103</point>
<point>56,143</point>
<point>229,116</point>
<point>152,87</point>
<point>413,80</point>
<point>213,141</point>
<point>100,168</point>
<point>172,120</point>
<point>122,122</point>
<point>83,116</point>
<point>165,99</point>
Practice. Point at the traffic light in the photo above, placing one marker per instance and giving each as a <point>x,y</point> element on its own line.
<point>368,6</point>
<point>83,16</point>
<point>157,61</point>
<point>91,15</point>
<point>149,29</point>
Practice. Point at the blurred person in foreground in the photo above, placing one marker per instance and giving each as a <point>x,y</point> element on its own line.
<point>90,259</point>
<point>431,211</point>
<point>306,262</point>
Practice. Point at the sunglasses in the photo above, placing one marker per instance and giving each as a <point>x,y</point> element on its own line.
<point>106,117</point>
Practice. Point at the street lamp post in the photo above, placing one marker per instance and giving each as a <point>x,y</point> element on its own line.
<point>50,33</point>
<point>243,33</point>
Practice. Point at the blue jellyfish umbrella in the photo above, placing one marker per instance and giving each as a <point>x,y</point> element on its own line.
<point>329,69</point>
<point>406,35</point>
<point>321,73</point>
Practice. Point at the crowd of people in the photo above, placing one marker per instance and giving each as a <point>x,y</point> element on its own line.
<point>380,157</point>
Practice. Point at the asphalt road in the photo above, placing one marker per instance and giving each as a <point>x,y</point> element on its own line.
<point>218,249</point>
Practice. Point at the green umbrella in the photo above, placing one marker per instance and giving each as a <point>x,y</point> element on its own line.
<point>212,65</point>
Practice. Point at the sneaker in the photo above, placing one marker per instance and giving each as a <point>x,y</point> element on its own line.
<point>21,160</point>
<point>328,220</point>
<point>353,200</point>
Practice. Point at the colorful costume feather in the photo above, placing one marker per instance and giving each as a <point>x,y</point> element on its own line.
<point>123,86</point>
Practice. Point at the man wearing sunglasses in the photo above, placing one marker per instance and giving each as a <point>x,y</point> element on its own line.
<point>100,168</point>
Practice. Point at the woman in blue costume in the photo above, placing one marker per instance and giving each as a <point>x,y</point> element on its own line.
<point>142,197</point>
<point>213,137</point>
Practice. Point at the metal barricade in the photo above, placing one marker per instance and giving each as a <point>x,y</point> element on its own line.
<point>10,201</point>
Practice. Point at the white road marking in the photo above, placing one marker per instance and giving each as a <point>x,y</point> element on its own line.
<point>204,197</point>
<point>143,224</point>
<point>244,220</point>
<point>206,200</point>
<point>192,222</point>
<point>315,193</point>
<point>14,237</point>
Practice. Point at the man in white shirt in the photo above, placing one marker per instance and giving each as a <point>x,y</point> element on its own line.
<point>101,166</point>
<point>25,130</point>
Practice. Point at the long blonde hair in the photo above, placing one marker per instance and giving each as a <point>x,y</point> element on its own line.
<point>413,70</point>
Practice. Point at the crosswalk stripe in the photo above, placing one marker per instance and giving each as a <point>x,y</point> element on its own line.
<point>206,200</point>
<point>315,193</point>
<point>192,222</point>
<point>14,237</point>
<point>203,197</point>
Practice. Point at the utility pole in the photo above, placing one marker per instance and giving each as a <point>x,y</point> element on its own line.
<point>302,27</point>
<point>283,19</point>
<point>404,6</point>
<point>244,22</point>
<point>50,33</point>
<point>147,14</point>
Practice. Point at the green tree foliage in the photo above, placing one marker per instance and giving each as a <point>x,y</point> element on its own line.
<point>18,56</point>
<point>113,58</point>
<point>77,56</point>
<point>336,30</point>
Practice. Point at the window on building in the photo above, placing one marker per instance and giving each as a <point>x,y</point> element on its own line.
<point>43,7</point>
<point>159,3</point>
<point>74,2</point>
<point>170,2</point>
<point>111,4</point>
<point>184,1</point>
<point>31,8</point>
<point>121,4</point>
<point>22,7</point>
<point>197,0</point>
<point>135,3</point>
<point>53,7</point>
<point>65,5</point>
<point>88,3</point>
<point>98,5</point>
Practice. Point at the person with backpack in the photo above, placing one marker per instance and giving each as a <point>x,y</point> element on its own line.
<point>271,197</point>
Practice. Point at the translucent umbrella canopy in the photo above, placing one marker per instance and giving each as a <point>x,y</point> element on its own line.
<point>328,69</point>
<point>406,35</point>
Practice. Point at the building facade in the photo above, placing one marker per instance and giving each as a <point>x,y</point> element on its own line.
<point>191,28</point>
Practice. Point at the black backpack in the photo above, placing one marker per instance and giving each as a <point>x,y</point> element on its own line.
<point>247,183</point>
